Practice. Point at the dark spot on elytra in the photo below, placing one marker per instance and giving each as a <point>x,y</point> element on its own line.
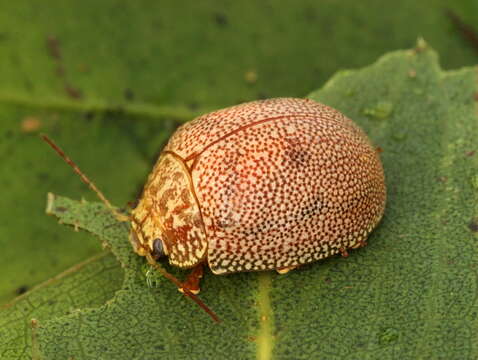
<point>299,157</point>
<point>298,154</point>
<point>221,19</point>
<point>21,290</point>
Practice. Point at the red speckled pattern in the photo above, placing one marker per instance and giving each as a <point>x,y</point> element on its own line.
<point>280,183</point>
<point>191,138</point>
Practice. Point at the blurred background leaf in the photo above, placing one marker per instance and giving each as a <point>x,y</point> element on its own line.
<point>110,80</point>
<point>411,293</point>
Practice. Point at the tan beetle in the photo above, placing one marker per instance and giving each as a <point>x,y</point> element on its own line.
<point>265,185</point>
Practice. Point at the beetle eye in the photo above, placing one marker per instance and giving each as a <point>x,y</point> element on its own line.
<point>158,250</point>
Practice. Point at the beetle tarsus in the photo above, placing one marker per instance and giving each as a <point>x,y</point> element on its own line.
<point>344,252</point>
<point>285,270</point>
<point>193,280</point>
<point>362,243</point>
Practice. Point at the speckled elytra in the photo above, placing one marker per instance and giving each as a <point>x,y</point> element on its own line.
<point>265,185</point>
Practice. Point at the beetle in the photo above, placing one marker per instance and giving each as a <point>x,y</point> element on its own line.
<point>265,185</point>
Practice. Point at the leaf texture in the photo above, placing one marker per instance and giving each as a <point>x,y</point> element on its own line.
<point>411,293</point>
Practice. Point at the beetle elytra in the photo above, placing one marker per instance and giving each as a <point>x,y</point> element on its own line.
<point>270,184</point>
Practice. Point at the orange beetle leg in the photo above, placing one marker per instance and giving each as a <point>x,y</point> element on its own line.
<point>344,252</point>
<point>193,280</point>
<point>362,243</point>
<point>359,244</point>
<point>285,270</point>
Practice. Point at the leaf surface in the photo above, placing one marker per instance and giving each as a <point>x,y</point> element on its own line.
<point>106,79</point>
<point>411,293</point>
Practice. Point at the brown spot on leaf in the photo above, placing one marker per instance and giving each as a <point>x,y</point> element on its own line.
<point>73,92</point>
<point>473,225</point>
<point>128,94</point>
<point>221,19</point>
<point>30,124</point>
<point>21,290</point>
<point>53,47</point>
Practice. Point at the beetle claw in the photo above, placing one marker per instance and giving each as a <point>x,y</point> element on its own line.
<point>344,252</point>
<point>192,291</point>
<point>193,280</point>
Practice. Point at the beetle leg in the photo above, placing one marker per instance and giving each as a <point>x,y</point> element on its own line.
<point>359,244</point>
<point>193,280</point>
<point>285,270</point>
<point>344,252</point>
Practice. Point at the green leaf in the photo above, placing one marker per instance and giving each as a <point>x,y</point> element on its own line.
<point>88,284</point>
<point>411,293</point>
<point>143,322</point>
<point>30,169</point>
<point>141,65</point>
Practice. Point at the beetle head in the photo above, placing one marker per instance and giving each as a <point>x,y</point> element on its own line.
<point>142,245</point>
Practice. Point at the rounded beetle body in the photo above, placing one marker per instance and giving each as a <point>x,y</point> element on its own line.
<point>264,185</point>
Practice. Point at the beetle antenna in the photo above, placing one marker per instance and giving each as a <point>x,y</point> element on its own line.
<point>84,178</point>
<point>186,291</point>
<point>122,217</point>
